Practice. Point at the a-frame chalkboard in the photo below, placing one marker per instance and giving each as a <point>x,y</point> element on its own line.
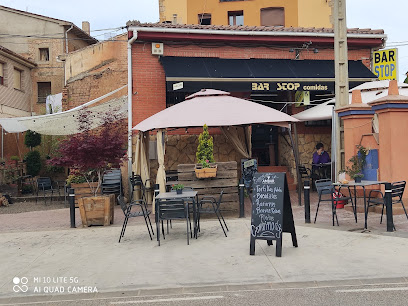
<point>271,210</point>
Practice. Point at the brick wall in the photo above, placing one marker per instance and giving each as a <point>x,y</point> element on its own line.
<point>149,85</point>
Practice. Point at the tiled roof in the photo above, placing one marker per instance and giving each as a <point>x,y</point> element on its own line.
<point>5,50</point>
<point>136,23</point>
<point>80,33</point>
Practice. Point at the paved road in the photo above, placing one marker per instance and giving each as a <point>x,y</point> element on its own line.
<point>373,292</point>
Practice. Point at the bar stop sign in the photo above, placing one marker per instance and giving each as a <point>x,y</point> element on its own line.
<point>385,64</point>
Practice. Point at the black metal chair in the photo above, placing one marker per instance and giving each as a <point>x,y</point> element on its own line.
<point>209,205</point>
<point>127,210</point>
<point>174,209</point>
<point>325,190</point>
<point>45,185</point>
<point>139,187</point>
<point>305,174</point>
<point>397,191</point>
<point>112,182</point>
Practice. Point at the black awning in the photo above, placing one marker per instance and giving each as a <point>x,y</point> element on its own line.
<point>257,74</point>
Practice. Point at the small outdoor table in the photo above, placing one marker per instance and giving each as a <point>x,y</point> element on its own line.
<point>188,195</point>
<point>362,184</point>
<point>323,169</point>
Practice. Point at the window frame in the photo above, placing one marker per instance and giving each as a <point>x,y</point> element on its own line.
<point>21,78</point>
<point>2,65</point>
<point>40,100</point>
<point>203,16</point>
<point>47,49</point>
<point>234,15</point>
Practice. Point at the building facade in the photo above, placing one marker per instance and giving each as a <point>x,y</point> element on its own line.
<point>42,39</point>
<point>265,65</point>
<point>286,13</point>
<point>15,96</point>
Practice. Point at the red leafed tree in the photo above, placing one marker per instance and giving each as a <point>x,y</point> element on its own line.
<point>92,151</point>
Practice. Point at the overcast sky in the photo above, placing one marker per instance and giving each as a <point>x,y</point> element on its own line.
<point>389,15</point>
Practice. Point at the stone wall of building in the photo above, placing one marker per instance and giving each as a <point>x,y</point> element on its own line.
<point>306,144</point>
<point>181,149</point>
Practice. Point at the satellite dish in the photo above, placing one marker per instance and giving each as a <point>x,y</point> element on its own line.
<point>375,123</point>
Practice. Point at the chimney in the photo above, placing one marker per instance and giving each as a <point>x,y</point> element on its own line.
<point>356,97</point>
<point>86,27</point>
<point>393,88</point>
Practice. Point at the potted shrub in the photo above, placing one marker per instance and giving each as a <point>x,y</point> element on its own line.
<point>90,153</point>
<point>358,161</point>
<point>16,159</point>
<point>205,166</point>
<point>178,188</point>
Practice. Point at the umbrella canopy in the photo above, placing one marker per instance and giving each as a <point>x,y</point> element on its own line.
<point>214,108</point>
<point>370,91</point>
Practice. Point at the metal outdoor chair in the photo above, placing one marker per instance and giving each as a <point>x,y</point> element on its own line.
<point>397,191</point>
<point>112,182</point>
<point>209,205</point>
<point>174,209</point>
<point>325,190</point>
<point>127,210</point>
<point>44,185</point>
<point>305,174</point>
<point>139,187</point>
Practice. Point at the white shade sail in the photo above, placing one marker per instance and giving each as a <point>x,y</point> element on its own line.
<point>65,123</point>
<point>214,108</point>
<point>370,91</point>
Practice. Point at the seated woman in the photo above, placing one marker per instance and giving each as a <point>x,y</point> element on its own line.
<point>320,162</point>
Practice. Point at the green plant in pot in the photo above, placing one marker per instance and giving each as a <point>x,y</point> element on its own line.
<point>205,157</point>
<point>178,188</point>
<point>357,164</point>
<point>91,152</point>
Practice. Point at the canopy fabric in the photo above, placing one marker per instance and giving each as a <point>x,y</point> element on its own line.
<point>141,165</point>
<point>214,108</point>
<point>161,172</point>
<point>65,123</point>
<point>369,92</point>
<point>240,137</point>
<point>235,74</point>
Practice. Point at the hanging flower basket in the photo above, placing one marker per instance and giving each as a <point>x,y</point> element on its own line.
<point>205,172</point>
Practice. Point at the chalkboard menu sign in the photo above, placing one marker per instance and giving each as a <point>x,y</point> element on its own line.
<point>271,210</point>
<point>248,168</point>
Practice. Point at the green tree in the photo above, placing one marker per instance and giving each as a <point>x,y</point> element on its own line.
<point>33,159</point>
<point>205,147</point>
<point>32,139</point>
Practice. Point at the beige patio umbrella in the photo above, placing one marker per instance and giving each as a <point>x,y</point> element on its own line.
<point>214,108</point>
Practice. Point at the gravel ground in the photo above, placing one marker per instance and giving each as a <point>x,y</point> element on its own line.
<point>22,207</point>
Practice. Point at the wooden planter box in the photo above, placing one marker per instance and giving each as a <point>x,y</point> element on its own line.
<point>97,210</point>
<point>83,190</point>
<point>226,180</point>
<point>205,172</point>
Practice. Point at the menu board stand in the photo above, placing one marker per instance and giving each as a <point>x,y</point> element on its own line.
<point>271,211</point>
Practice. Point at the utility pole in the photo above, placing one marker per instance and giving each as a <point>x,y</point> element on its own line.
<point>341,72</point>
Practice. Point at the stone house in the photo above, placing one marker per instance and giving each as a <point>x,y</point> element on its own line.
<point>42,39</point>
<point>15,97</point>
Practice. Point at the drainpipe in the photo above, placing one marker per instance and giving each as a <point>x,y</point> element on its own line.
<point>66,38</point>
<point>2,143</point>
<point>130,96</point>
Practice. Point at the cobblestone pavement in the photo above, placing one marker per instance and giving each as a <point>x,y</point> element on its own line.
<point>32,216</point>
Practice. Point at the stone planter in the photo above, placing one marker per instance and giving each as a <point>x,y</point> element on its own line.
<point>205,172</point>
<point>97,210</point>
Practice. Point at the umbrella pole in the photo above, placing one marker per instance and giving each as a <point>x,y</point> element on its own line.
<point>299,179</point>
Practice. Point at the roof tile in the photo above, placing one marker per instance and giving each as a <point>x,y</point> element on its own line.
<point>250,28</point>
